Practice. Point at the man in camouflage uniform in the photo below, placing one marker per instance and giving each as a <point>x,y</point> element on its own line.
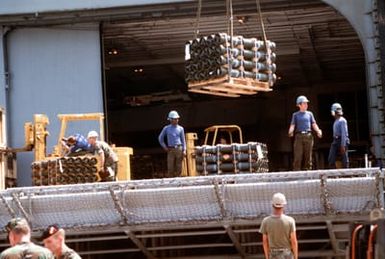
<point>19,235</point>
<point>54,239</point>
<point>108,158</point>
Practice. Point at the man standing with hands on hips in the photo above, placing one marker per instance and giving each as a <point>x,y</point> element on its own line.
<point>176,144</point>
<point>301,125</point>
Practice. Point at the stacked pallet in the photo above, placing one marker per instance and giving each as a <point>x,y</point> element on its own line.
<point>65,170</point>
<point>230,66</point>
<point>232,159</point>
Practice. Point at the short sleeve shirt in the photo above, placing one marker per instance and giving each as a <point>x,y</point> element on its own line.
<point>278,230</point>
<point>109,155</point>
<point>302,120</point>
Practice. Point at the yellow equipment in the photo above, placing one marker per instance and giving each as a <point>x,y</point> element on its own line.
<point>231,132</point>
<point>54,168</point>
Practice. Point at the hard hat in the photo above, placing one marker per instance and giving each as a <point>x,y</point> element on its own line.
<point>92,134</point>
<point>336,109</point>
<point>278,200</point>
<point>302,99</point>
<point>173,115</point>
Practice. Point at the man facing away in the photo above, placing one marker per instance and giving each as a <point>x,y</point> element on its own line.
<point>340,138</point>
<point>302,122</point>
<point>19,236</point>
<point>54,239</point>
<point>279,233</point>
<point>176,144</point>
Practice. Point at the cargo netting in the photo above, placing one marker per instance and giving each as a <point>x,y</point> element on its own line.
<point>194,199</point>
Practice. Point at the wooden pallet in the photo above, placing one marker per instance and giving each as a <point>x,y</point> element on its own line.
<point>229,86</point>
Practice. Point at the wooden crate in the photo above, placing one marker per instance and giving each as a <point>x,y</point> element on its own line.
<point>229,86</point>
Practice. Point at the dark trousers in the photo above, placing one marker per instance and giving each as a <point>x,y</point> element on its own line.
<point>335,151</point>
<point>174,161</point>
<point>303,148</point>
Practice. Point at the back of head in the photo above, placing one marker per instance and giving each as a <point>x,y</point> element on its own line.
<point>18,226</point>
<point>52,230</point>
<point>278,200</point>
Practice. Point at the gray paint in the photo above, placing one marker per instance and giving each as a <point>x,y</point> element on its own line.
<point>38,6</point>
<point>360,14</point>
<point>53,70</point>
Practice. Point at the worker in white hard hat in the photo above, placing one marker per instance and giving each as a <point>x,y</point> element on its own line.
<point>108,157</point>
<point>172,140</point>
<point>341,140</point>
<point>279,232</point>
<point>301,125</point>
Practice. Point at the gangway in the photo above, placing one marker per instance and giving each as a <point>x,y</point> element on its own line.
<point>204,217</point>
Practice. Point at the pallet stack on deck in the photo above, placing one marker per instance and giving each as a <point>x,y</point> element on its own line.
<point>65,170</point>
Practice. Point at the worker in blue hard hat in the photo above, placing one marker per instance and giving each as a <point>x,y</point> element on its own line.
<point>341,140</point>
<point>173,141</point>
<point>301,125</point>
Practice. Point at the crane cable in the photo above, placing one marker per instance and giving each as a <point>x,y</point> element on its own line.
<point>267,46</point>
<point>199,10</point>
<point>230,31</point>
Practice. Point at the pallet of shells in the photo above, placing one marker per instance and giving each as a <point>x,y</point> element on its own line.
<point>65,170</point>
<point>232,159</point>
<point>230,66</point>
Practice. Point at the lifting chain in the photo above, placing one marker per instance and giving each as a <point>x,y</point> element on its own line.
<point>325,196</point>
<point>220,198</point>
<point>9,208</point>
<point>379,187</point>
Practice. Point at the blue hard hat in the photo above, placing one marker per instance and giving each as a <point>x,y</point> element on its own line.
<point>173,115</point>
<point>302,99</point>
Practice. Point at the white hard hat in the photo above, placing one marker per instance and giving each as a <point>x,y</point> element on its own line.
<point>278,200</point>
<point>302,99</point>
<point>173,115</point>
<point>92,134</point>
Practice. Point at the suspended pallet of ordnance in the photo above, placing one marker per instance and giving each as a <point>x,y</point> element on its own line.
<point>230,66</point>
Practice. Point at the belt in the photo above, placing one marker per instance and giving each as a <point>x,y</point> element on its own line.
<point>303,132</point>
<point>280,250</point>
<point>177,146</point>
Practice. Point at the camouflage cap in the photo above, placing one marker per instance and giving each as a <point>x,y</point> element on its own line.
<point>18,224</point>
<point>50,231</point>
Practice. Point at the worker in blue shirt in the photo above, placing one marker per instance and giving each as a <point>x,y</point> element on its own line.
<point>76,145</point>
<point>340,138</point>
<point>176,144</point>
<point>301,125</point>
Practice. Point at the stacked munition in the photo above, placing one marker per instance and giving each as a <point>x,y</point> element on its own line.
<point>219,55</point>
<point>65,170</point>
<point>232,159</point>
